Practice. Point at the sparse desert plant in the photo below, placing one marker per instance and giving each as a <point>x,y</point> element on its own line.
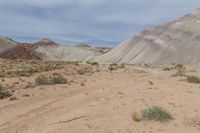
<point>156,113</point>
<point>136,116</point>
<point>122,66</point>
<point>193,79</point>
<point>150,82</point>
<point>41,80</point>
<point>111,68</point>
<point>114,65</point>
<point>93,63</point>
<point>4,93</point>
<point>83,71</point>
<point>57,78</point>
<point>146,65</point>
<point>166,69</point>
<point>195,122</point>
<point>180,70</point>
<point>179,66</point>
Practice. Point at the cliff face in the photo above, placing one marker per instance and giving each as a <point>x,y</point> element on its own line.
<point>174,42</point>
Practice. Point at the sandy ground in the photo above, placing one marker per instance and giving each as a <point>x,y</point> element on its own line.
<point>102,103</point>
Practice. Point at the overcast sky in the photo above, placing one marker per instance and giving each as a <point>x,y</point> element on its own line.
<point>106,22</point>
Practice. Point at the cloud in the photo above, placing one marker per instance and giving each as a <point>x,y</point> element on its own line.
<point>86,21</point>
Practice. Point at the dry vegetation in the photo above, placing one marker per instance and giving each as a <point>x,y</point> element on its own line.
<point>55,78</point>
<point>15,68</point>
<point>95,89</point>
<point>4,93</point>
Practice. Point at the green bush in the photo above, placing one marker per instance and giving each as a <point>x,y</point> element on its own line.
<point>193,79</point>
<point>156,113</point>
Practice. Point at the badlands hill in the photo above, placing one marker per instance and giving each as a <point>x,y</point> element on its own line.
<point>174,42</point>
<point>46,49</point>
<point>6,43</point>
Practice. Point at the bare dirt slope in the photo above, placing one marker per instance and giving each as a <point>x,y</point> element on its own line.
<point>101,102</point>
<point>67,53</point>
<point>6,43</point>
<point>174,42</point>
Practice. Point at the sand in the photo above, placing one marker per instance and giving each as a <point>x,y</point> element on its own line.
<point>102,102</point>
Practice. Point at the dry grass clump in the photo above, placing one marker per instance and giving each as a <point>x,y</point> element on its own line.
<point>41,80</point>
<point>92,63</point>
<point>136,116</point>
<point>116,66</point>
<point>150,82</point>
<point>155,113</point>
<point>166,69</point>
<point>4,93</point>
<point>193,79</point>
<point>180,70</point>
<point>55,78</point>
<point>194,122</point>
<point>84,70</point>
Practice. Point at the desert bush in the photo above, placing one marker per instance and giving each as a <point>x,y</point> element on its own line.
<point>83,71</point>
<point>92,63</point>
<point>156,113</point>
<point>4,93</point>
<point>111,68</point>
<point>179,66</point>
<point>57,78</point>
<point>180,70</point>
<point>22,73</point>
<point>193,79</point>
<point>41,80</point>
<point>114,65</point>
<point>122,66</point>
<point>166,69</point>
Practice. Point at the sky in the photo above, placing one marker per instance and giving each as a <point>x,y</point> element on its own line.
<point>97,22</point>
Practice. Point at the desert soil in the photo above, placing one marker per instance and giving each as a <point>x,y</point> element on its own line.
<point>102,102</point>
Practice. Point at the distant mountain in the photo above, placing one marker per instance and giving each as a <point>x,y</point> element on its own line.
<point>46,49</point>
<point>45,42</point>
<point>174,42</point>
<point>6,43</point>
